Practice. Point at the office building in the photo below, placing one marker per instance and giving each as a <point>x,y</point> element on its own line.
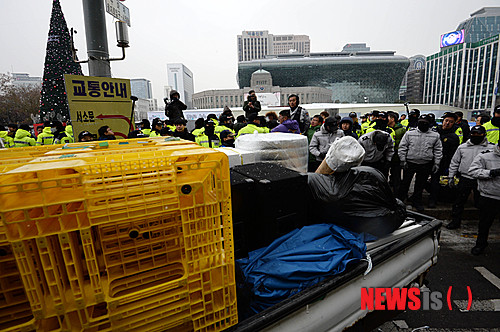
<point>259,44</point>
<point>267,93</point>
<point>141,88</point>
<point>25,80</point>
<point>180,78</point>
<point>353,77</point>
<point>482,24</point>
<point>412,87</point>
<point>464,75</point>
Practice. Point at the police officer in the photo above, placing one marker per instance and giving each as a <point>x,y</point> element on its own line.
<point>493,126</point>
<point>412,121</point>
<point>486,169</point>
<point>420,152</point>
<point>46,137</point>
<point>379,149</point>
<point>208,139</point>
<point>464,125</point>
<point>450,142</point>
<point>23,137</point>
<point>253,126</point>
<point>459,167</point>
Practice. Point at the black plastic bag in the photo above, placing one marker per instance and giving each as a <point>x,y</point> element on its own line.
<point>359,199</point>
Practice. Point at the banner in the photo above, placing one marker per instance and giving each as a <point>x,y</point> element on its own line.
<point>99,101</point>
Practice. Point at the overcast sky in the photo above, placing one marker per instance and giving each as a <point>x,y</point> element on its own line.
<point>202,34</point>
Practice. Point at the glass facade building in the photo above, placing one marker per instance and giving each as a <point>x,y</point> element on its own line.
<point>358,77</point>
<point>482,24</point>
<point>464,75</point>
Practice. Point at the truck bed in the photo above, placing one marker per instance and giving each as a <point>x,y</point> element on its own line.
<point>334,304</point>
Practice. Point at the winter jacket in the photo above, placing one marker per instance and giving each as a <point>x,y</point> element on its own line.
<point>321,141</point>
<point>287,126</point>
<point>250,110</point>
<point>480,169</point>
<point>220,128</point>
<point>492,132</point>
<point>464,156</point>
<point>372,154</point>
<point>399,131</point>
<point>66,137</point>
<point>8,141</point>
<point>45,137</point>
<point>251,128</point>
<point>23,138</point>
<point>365,125</point>
<point>203,140</point>
<point>464,125</point>
<point>349,132</point>
<point>185,135</point>
<point>238,126</point>
<point>450,142</point>
<point>420,148</point>
<point>174,109</point>
<point>301,116</point>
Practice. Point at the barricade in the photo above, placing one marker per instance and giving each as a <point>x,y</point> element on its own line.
<point>132,239</point>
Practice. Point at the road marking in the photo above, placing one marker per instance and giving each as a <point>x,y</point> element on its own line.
<point>488,275</point>
<point>479,305</point>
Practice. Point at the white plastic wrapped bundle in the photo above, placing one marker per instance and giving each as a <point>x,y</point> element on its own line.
<point>344,154</point>
<point>288,150</point>
<point>238,156</point>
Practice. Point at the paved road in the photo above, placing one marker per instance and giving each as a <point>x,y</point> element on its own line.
<point>459,269</point>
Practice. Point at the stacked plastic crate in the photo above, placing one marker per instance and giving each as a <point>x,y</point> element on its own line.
<point>124,237</point>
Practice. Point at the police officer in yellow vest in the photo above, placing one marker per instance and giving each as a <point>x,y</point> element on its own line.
<point>493,126</point>
<point>365,125</point>
<point>208,139</point>
<point>23,137</point>
<point>7,140</point>
<point>253,126</point>
<point>382,123</point>
<point>67,136</point>
<point>146,127</point>
<point>46,137</point>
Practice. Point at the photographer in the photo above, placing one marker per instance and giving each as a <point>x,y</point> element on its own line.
<point>174,108</point>
<point>251,105</point>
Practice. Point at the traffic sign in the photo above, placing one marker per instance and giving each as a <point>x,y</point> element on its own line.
<point>118,10</point>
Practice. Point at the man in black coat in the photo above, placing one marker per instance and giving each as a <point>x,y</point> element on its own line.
<point>181,130</point>
<point>174,108</point>
<point>450,142</point>
<point>251,105</point>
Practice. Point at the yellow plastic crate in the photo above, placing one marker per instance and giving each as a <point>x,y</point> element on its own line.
<point>45,198</point>
<point>148,234</point>
<point>15,310</point>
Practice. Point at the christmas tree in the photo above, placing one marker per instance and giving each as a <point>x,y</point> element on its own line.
<point>58,61</point>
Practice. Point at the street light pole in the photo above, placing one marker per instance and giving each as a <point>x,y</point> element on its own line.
<point>97,41</point>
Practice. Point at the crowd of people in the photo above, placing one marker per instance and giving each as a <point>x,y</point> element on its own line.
<point>446,156</point>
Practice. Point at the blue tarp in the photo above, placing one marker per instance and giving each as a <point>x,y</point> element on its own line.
<point>294,262</point>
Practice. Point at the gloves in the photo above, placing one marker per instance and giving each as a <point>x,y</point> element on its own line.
<point>404,165</point>
<point>495,172</point>
<point>322,155</point>
<point>435,169</point>
<point>451,182</point>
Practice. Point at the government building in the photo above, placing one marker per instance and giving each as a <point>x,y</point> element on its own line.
<point>352,76</point>
<point>267,92</point>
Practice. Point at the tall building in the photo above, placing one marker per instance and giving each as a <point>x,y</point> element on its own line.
<point>412,87</point>
<point>254,45</point>
<point>464,75</point>
<point>283,44</point>
<point>482,24</point>
<point>180,78</point>
<point>268,94</point>
<point>352,77</point>
<point>141,88</point>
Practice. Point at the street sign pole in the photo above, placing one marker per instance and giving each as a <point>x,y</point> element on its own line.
<point>97,41</point>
